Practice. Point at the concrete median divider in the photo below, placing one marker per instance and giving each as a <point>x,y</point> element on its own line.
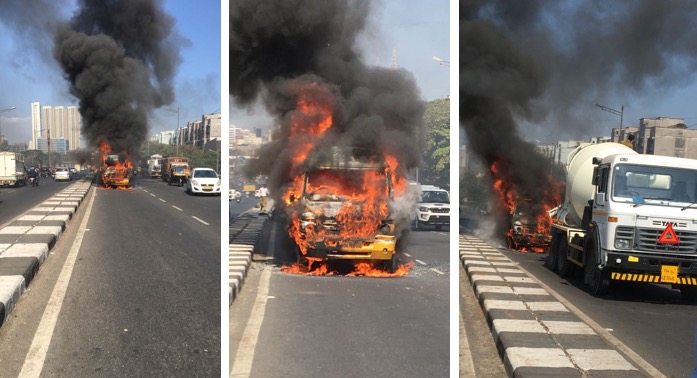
<point>245,231</point>
<point>536,334</point>
<point>25,242</point>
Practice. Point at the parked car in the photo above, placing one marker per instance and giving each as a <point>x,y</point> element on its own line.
<point>62,174</point>
<point>204,181</point>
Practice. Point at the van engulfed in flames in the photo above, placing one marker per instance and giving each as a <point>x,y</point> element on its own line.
<point>339,200</point>
<point>116,172</point>
<point>528,221</point>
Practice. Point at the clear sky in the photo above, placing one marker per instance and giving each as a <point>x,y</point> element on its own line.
<point>418,30</point>
<point>28,73</point>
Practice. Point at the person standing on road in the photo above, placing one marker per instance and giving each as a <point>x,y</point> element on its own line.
<point>263,193</point>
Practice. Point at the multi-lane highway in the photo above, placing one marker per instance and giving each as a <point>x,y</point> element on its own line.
<point>293,325</point>
<point>138,274</point>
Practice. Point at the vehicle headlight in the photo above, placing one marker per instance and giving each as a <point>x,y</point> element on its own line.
<point>194,182</point>
<point>623,243</point>
<point>217,183</point>
<point>385,229</point>
<point>423,209</point>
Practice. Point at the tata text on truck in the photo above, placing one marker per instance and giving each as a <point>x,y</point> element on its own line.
<point>627,217</point>
<point>342,211</point>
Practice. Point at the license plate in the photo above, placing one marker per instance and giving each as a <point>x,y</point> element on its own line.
<point>669,274</point>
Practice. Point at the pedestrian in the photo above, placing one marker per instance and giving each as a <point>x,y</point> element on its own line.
<point>263,193</point>
<point>629,142</point>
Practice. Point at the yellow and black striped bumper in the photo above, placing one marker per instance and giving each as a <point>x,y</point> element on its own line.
<point>651,278</point>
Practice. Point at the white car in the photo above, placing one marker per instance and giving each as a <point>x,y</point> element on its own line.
<point>203,180</point>
<point>433,208</point>
<point>62,174</point>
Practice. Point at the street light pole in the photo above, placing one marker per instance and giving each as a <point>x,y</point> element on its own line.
<point>615,112</point>
<point>2,139</point>
<point>441,61</point>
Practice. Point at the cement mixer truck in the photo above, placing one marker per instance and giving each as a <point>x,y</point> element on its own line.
<point>627,217</point>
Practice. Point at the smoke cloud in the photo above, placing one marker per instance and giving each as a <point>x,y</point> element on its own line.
<point>546,64</point>
<point>280,49</point>
<point>120,58</point>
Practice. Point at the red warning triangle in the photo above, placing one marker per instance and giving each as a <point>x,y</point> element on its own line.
<point>669,236</point>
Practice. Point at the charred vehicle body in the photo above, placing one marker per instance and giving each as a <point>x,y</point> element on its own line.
<point>342,209</point>
<point>116,173</point>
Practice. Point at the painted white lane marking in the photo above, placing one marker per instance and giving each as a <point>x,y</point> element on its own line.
<point>177,208</point>
<point>437,271</point>
<point>200,220</point>
<point>162,200</point>
<point>242,364</point>
<point>406,254</point>
<point>36,356</point>
<point>152,195</point>
<point>420,262</point>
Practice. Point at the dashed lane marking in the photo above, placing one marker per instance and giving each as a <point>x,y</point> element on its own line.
<point>177,208</point>
<point>200,220</point>
<point>162,200</point>
<point>436,270</point>
<point>420,262</point>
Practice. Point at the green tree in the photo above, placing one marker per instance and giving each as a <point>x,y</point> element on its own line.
<point>435,169</point>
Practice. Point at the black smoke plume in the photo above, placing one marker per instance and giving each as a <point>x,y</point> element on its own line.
<point>120,58</point>
<point>278,49</point>
<point>545,64</point>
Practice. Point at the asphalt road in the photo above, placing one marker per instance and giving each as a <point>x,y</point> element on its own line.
<point>237,208</point>
<point>650,319</point>
<point>144,295</point>
<point>14,201</point>
<point>345,326</point>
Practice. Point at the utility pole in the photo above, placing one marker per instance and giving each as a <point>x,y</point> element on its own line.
<point>615,112</point>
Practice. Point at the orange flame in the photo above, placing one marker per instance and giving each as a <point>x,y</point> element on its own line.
<point>115,174</point>
<point>365,269</point>
<point>509,199</point>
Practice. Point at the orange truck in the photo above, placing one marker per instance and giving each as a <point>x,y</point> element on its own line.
<point>175,170</point>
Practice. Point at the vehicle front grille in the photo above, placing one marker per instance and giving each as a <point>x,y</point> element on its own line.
<point>647,240</point>
<point>440,210</point>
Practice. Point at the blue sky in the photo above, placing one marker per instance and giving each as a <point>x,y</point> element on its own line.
<point>28,73</point>
<point>418,30</point>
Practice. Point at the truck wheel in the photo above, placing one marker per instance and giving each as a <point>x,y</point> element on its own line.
<point>390,265</point>
<point>551,261</point>
<point>564,267</point>
<point>597,278</point>
<point>688,293</point>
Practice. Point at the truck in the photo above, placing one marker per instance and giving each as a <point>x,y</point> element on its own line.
<point>172,161</point>
<point>627,217</point>
<point>116,172</point>
<point>12,169</point>
<point>155,166</point>
<point>341,209</point>
<point>433,209</point>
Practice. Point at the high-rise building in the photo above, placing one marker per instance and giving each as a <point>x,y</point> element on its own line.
<point>56,122</point>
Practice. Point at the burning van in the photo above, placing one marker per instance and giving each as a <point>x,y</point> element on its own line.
<point>339,209</point>
<point>116,173</point>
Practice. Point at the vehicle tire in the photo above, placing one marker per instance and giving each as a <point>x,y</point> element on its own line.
<point>512,245</point>
<point>598,279</point>
<point>390,265</point>
<point>688,293</point>
<point>551,261</point>
<point>565,268</point>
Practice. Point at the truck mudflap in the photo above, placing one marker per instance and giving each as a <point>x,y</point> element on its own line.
<point>382,247</point>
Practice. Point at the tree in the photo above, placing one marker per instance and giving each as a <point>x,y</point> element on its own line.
<point>436,157</point>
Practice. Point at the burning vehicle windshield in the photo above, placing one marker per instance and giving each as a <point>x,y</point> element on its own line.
<point>343,185</point>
